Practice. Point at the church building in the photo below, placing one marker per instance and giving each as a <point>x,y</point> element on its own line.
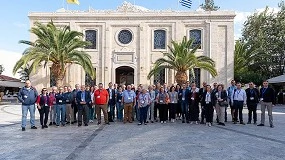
<point>127,41</point>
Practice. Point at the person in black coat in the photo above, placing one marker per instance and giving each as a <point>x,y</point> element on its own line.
<point>220,99</point>
<point>194,100</point>
<point>208,103</point>
<point>112,102</point>
<point>252,101</point>
<point>201,92</point>
<point>83,99</point>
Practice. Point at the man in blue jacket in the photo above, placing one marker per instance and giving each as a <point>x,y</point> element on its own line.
<point>83,99</point>
<point>28,96</point>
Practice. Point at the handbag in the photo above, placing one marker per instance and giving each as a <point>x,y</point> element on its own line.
<point>224,103</point>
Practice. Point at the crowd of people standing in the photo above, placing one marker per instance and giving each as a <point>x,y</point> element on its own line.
<point>155,103</point>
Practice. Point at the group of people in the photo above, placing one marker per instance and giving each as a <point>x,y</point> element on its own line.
<point>64,105</point>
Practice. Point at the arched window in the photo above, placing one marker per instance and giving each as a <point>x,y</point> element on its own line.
<point>91,36</point>
<point>160,77</point>
<point>196,35</point>
<point>159,39</point>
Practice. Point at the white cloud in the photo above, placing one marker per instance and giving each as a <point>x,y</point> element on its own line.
<point>8,60</point>
<point>241,17</point>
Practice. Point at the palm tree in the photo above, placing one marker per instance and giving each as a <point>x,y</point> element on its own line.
<point>25,72</point>
<point>182,59</point>
<point>58,47</point>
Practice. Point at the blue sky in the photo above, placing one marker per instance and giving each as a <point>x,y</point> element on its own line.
<point>15,23</point>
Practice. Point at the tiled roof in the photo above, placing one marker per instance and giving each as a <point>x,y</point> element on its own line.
<point>7,78</point>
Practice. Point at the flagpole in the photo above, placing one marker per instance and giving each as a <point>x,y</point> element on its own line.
<point>63,4</point>
<point>177,5</point>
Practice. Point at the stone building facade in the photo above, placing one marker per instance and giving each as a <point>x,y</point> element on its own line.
<point>127,41</point>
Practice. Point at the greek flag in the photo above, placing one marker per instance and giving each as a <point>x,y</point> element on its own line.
<point>186,3</point>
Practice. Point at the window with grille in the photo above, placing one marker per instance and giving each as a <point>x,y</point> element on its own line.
<point>89,81</point>
<point>159,39</point>
<point>160,77</point>
<point>91,36</point>
<point>196,35</point>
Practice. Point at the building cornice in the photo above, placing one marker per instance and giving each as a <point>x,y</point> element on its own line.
<point>160,15</point>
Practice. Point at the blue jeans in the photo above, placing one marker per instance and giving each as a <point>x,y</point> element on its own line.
<point>60,114</point>
<point>91,113</point>
<point>119,107</point>
<point>143,114</point>
<point>185,110</point>
<point>25,109</point>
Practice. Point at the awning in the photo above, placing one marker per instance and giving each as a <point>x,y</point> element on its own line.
<point>279,79</point>
<point>12,84</point>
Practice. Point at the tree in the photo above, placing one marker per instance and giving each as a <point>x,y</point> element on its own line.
<point>182,58</point>
<point>25,72</point>
<point>266,30</point>
<point>209,6</point>
<point>58,47</point>
<point>2,69</point>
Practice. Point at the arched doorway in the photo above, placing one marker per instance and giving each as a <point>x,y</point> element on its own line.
<point>124,75</point>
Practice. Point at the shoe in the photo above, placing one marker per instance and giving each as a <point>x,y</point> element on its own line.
<point>271,126</point>
<point>111,120</point>
<point>34,127</point>
<point>98,123</point>
<point>140,124</point>
<point>151,121</point>
<point>196,122</point>
<point>209,124</point>
<point>67,122</point>
<point>183,121</point>
<point>57,125</point>
<point>191,123</point>
<point>79,125</point>
<point>164,122</point>
<point>260,125</point>
<point>235,122</point>
<point>72,122</point>
<point>50,124</point>
<point>63,125</point>
<point>86,124</point>
<point>202,122</point>
<point>54,123</point>
<point>45,126</point>
<point>145,123</point>
<point>248,122</point>
<point>254,123</point>
<point>223,124</point>
<point>107,123</point>
<point>23,129</point>
<point>242,123</point>
<point>161,122</point>
<point>187,122</point>
<point>91,121</point>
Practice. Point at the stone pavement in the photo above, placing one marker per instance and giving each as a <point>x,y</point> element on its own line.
<point>153,141</point>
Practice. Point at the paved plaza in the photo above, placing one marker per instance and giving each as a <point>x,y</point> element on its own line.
<point>129,141</point>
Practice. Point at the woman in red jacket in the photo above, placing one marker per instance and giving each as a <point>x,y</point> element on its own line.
<point>43,105</point>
